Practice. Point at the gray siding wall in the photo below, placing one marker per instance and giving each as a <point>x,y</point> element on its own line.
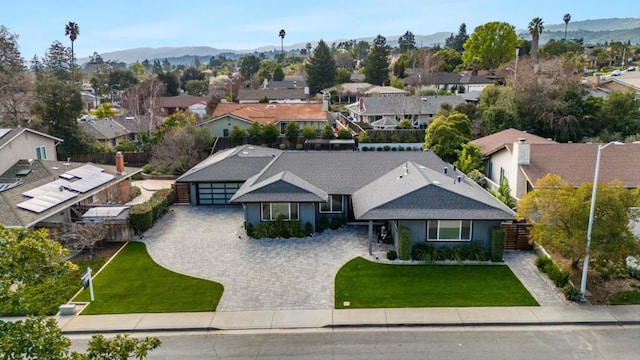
<point>193,196</point>
<point>252,213</point>
<point>481,232</point>
<point>308,214</point>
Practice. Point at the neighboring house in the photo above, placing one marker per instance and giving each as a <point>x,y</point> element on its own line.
<point>412,189</point>
<point>90,100</point>
<point>49,194</point>
<point>419,109</point>
<point>138,124</point>
<point>228,115</point>
<point>348,92</point>
<point>529,158</point>
<point>107,131</point>
<point>171,104</point>
<point>448,81</point>
<point>24,143</point>
<point>280,96</point>
<point>385,91</point>
<point>621,83</point>
<point>284,84</point>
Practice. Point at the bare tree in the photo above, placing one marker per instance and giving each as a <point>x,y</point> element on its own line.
<point>82,235</point>
<point>142,99</point>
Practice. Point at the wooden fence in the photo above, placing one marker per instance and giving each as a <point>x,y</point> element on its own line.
<point>517,236</point>
<point>130,158</point>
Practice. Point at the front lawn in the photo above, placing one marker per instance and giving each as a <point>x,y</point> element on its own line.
<point>133,283</point>
<point>367,284</point>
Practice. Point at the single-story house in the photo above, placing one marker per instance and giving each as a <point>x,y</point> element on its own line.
<point>448,81</point>
<point>412,189</point>
<point>228,115</point>
<point>525,159</point>
<point>419,109</point>
<point>107,131</point>
<point>385,91</point>
<point>24,143</point>
<point>284,84</point>
<point>171,104</point>
<point>279,96</point>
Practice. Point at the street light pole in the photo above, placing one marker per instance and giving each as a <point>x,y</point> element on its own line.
<point>592,209</point>
<point>515,71</point>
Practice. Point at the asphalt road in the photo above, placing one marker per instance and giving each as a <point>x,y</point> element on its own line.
<point>549,343</point>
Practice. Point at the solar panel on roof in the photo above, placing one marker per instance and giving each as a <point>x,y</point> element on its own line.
<point>89,182</point>
<point>67,176</point>
<point>47,201</point>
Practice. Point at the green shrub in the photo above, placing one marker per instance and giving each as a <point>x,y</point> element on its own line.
<point>542,261</point>
<point>404,243</point>
<point>379,148</point>
<point>282,147</point>
<point>365,148</point>
<point>572,293</point>
<point>400,148</point>
<point>308,228</point>
<point>476,252</point>
<point>409,148</point>
<point>143,216</point>
<point>497,244</point>
<point>317,147</point>
<point>457,253</point>
<point>442,253</point>
<point>392,255</point>
<point>299,147</point>
<point>423,252</point>
<point>394,148</point>
<point>561,278</point>
<point>322,223</point>
<point>386,148</point>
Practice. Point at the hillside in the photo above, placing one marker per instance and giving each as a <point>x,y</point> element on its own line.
<point>591,31</point>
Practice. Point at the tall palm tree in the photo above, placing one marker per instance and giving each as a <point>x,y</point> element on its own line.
<point>566,18</point>
<point>72,30</point>
<point>282,34</point>
<point>535,29</point>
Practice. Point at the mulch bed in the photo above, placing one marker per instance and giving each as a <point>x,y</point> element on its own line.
<point>106,250</point>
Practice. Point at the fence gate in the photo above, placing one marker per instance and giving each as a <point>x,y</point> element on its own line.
<point>517,236</point>
<point>181,193</point>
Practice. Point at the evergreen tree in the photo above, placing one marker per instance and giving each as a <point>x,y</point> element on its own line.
<point>376,64</point>
<point>456,42</point>
<point>278,74</point>
<point>321,69</point>
<point>407,42</point>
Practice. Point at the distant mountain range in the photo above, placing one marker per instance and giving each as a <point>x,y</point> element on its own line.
<point>591,31</point>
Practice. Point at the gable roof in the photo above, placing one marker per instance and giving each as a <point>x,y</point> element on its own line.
<point>235,164</point>
<point>282,187</point>
<point>575,163</point>
<point>271,94</point>
<point>183,101</point>
<point>415,105</point>
<point>8,134</point>
<point>286,84</point>
<point>41,174</point>
<point>494,142</point>
<point>271,113</point>
<point>105,129</point>
<point>381,90</point>
<point>404,192</point>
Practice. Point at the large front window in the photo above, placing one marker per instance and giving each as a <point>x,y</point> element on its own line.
<point>271,211</point>
<point>449,230</point>
<point>333,205</point>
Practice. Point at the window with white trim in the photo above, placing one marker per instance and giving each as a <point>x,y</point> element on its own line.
<point>333,205</point>
<point>271,211</point>
<point>449,230</point>
<point>41,153</point>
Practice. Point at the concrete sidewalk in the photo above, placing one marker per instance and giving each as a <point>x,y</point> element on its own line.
<point>327,318</point>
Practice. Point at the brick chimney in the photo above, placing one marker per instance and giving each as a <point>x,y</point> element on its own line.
<point>119,163</point>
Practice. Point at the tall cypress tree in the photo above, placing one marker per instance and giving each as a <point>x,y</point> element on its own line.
<point>376,64</point>
<point>321,69</point>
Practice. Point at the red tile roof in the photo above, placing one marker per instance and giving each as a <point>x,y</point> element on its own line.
<point>494,142</point>
<point>272,113</point>
<point>575,163</point>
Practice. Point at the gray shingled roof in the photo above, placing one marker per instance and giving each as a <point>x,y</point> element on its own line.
<point>105,129</point>
<point>282,187</point>
<point>378,106</point>
<point>236,164</point>
<point>412,191</point>
<point>271,94</point>
<point>12,133</point>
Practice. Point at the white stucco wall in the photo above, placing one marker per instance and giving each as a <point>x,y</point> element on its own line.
<point>24,147</point>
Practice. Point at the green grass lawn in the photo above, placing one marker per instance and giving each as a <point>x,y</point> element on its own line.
<point>367,284</point>
<point>134,283</point>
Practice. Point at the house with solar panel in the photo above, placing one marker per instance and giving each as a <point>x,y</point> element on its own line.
<point>38,191</point>
<point>417,190</point>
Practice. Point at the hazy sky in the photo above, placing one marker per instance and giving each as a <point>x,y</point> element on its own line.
<point>245,24</point>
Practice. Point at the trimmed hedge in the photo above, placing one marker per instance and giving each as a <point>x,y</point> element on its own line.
<point>143,216</point>
<point>497,244</point>
<point>429,252</point>
<point>404,243</point>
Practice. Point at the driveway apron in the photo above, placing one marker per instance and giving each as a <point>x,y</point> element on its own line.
<point>257,274</point>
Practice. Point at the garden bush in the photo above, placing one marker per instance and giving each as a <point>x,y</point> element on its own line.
<point>497,244</point>
<point>571,292</point>
<point>542,261</point>
<point>629,297</point>
<point>143,216</point>
<point>392,255</point>
<point>404,243</point>
<point>633,265</point>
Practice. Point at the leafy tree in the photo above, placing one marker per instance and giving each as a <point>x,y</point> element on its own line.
<point>57,62</point>
<point>327,133</point>
<point>554,47</point>
<point>190,74</point>
<point>124,79</point>
<point>72,30</point>
<point>40,338</point>
<point>535,29</point>
<point>407,42</point>
<point>237,135</point>
<point>456,42</point>
<point>490,45</point>
<point>197,87</point>
<point>405,124</point>
<point>497,109</point>
<point>450,59</point>
<point>344,134</point>
<point>157,67</point>
<point>321,69</point>
<point>376,64</point>
<point>621,113</point>
<point>504,193</point>
<point>138,69</point>
<point>309,132</point>
<point>270,134</point>
<point>469,158</point>
<point>181,149</point>
<point>343,76</point>
<point>560,215</point>
<point>249,65</point>
<point>278,74</point>
<point>361,50</point>
<point>33,273</point>
<point>446,135</point>
<point>291,132</point>
<point>105,110</point>
<point>178,120</point>
<point>57,105</point>
<point>254,133</point>
<point>397,83</point>
<point>15,85</point>
<point>171,83</point>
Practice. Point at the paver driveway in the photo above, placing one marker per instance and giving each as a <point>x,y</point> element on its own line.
<point>265,274</point>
